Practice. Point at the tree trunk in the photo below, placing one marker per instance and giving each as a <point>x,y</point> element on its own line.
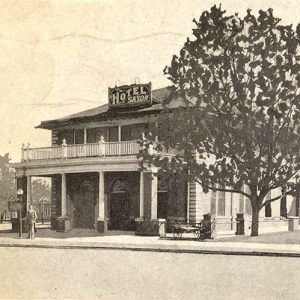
<point>255,223</point>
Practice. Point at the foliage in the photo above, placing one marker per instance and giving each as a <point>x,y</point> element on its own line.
<point>239,81</point>
<point>7,183</point>
<point>40,189</point>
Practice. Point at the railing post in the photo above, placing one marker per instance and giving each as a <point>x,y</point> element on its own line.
<point>64,150</point>
<point>23,152</point>
<point>101,145</point>
<point>84,150</point>
<point>28,152</point>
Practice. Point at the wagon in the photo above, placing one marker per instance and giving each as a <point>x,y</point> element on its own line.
<point>200,230</point>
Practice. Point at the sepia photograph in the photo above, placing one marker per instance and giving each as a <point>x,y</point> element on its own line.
<point>150,149</point>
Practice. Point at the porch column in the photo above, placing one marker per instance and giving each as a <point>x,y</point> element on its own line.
<point>28,196</point>
<point>142,195</point>
<point>63,195</point>
<point>101,196</point>
<point>101,222</point>
<point>154,197</point>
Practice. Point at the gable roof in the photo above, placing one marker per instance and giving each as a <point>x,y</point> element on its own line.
<point>103,112</point>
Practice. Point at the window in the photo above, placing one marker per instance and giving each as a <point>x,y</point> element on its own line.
<point>79,136</point>
<point>268,208</point>
<point>126,133</point>
<point>68,135</point>
<point>241,203</point>
<point>213,203</point>
<point>93,135</point>
<point>248,207</point>
<point>297,205</point>
<point>113,134</point>
<point>244,202</point>
<point>221,203</point>
<point>162,198</point>
<point>132,132</point>
<point>217,203</point>
<point>283,208</point>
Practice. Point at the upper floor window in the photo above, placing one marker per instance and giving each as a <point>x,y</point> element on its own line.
<point>72,136</point>
<point>78,136</point>
<point>111,134</point>
<point>133,132</point>
<point>68,135</point>
<point>93,135</point>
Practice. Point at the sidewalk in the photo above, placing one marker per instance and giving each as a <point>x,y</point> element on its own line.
<point>90,239</point>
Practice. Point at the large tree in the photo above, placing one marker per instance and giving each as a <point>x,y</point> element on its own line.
<point>7,183</point>
<point>239,79</point>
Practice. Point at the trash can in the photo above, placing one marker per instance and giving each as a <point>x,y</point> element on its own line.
<point>240,224</point>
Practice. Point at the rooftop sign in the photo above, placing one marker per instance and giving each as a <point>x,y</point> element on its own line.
<point>129,95</point>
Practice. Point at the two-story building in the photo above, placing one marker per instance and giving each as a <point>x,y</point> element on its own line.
<point>96,177</point>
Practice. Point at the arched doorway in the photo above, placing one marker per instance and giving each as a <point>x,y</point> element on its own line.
<point>119,205</point>
<point>84,205</point>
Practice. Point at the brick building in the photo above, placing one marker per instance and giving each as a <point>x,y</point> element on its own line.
<point>96,177</point>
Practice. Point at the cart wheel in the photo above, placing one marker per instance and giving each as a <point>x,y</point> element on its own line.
<point>177,233</point>
<point>198,234</point>
<point>201,236</point>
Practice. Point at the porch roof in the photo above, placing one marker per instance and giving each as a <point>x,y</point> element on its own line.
<point>103,112</point>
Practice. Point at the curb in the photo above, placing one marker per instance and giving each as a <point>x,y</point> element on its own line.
<point>157,249</point>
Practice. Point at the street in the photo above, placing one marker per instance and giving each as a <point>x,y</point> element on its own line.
<point>31,273</point>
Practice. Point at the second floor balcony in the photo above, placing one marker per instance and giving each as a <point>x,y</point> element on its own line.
<point>65,151</point>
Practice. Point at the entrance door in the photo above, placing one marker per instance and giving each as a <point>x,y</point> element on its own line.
<point>119,211</point>
<point>84,209</point>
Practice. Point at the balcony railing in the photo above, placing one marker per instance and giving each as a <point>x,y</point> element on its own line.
<point>81,150</point>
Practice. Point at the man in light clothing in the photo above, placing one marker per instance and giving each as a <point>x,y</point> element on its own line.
<point>31,219</point>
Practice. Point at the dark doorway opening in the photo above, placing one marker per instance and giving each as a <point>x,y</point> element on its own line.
<point>84,205</point>
<point>119,206</point>
<point>119,211</point>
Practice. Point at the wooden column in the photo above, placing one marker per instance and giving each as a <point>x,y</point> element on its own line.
<point>154,197</point>
<point>63,195</point>
<point>142,195</point>
<point>101,213</point>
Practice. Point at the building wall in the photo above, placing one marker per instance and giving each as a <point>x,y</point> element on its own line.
<point>199,202</point>
<point>54,137</point>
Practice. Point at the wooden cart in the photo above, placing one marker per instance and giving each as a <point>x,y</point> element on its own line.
<point>200,230</point>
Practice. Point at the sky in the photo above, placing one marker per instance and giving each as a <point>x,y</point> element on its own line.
<point>60,57</point>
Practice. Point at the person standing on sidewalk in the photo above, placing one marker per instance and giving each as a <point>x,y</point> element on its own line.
<point>31,219</point>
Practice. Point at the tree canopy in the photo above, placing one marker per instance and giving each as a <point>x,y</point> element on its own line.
<point>7,183</point>
<point>239,78</point>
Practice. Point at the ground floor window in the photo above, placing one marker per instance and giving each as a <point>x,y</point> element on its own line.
<point>244,202</point>
<point>297,205</point>
<point>162,198</point>
<point>248,207</point>
<point>268,208</point>
<point>217,203</point>
<point>221,203</point>
<point>283,208</point>
<point>162,205</point>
